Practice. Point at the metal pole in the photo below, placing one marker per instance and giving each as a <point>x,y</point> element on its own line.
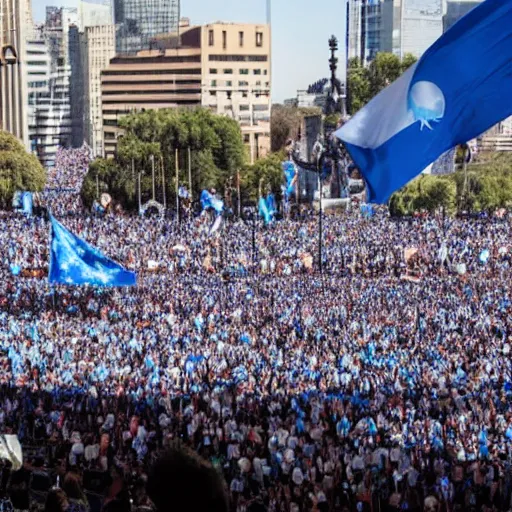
<point>320,235</point>
<point>163,181</point>
<point>254,239</point>
<point>465,170</point>
<point>177,186</point>
<point>190,173</point>
<point>238,192</point>
<point>140,199</point>
<point>153,172</point>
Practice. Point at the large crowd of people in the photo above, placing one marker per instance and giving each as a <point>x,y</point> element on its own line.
<point>382,383</point>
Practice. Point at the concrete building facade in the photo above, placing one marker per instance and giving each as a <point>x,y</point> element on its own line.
<point>236,79</point>
<point>13,86</point>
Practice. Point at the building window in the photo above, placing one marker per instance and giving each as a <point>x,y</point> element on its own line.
<point>241,39</point>
<point>243,84</point>
<point>213,93</point>
<point>214,83</point>
<point>244,94</point>
<point>224,39</point>
<point>229,95</point>
<point>247,138</point>
<point>211,39</point>
<point>213,71</point>
<point>244,108</point>
<point>259,39</point>
<point>265,72</point>
<point>258,83</point>
<point>257,71</point>
<point>229,84</point>
<point>228,71</point>
<point>244,71</point>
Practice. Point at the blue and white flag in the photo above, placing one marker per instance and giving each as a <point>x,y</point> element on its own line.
<point>456,91</point>
<point>209,201</point>
<point>75,262</point>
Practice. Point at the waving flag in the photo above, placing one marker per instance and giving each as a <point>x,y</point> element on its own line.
<point>456,91</point>
<point>209,201</point>
<point>290,174</point>
<point>74,262</point>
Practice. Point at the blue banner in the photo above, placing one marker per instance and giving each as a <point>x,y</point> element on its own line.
<point>209,201</point>
<point>75,262</point>
<point>456,91</point>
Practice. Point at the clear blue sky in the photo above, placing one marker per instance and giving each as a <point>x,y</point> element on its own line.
<point>300,31</point>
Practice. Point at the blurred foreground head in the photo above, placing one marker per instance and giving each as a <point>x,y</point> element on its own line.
<point>181,480</point>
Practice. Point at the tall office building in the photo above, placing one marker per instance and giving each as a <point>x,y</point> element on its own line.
<point>94,14</point>
<point>97,48</point>
<point>13,89</point>
<point>455,10</point>
<point>48,75</point>
<point>397,26</point>
<point>40,127</point>
<point>139,21</point>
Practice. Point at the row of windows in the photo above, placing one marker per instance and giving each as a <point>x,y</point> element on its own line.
<point>229,83</point>
<point>229,71</point>
<point>238,58</point>
<point>144,102</point>
<point>179,91</point>
<point>154,72</point>
<point>155,82</point>
<point>245,94</point>
<point>241,39</point>
<point>157,60</point>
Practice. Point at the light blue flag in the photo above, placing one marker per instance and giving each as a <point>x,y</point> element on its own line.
<point>290,172</point>
<point>264,211</point>
<point>74,262</point>
<point>456,91</point>
<point>209,201</point>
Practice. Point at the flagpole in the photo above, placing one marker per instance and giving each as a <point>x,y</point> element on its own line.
<point>177,186</point>
<point>190,174</point>
<point>153,173</point>
<point>238,192</point>
<point>163,181</point>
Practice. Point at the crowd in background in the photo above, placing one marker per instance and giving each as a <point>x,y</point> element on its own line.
<point>382,383</point>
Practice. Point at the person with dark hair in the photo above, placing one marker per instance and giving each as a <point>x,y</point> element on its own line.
<point>73,488</point>
<point>181,476</point>
<point>56,501</point>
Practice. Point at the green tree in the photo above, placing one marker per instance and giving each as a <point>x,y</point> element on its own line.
<point>358,81</point>
<point>19,170</point>
<point>268,171</point>
<point>215,142</point>
<point>366,82</point>
<point>286,122</point>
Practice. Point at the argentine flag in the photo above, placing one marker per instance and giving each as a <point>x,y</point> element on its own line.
<point>457,90</point>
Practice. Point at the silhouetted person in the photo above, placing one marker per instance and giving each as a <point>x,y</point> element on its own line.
<point>181,480</point>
